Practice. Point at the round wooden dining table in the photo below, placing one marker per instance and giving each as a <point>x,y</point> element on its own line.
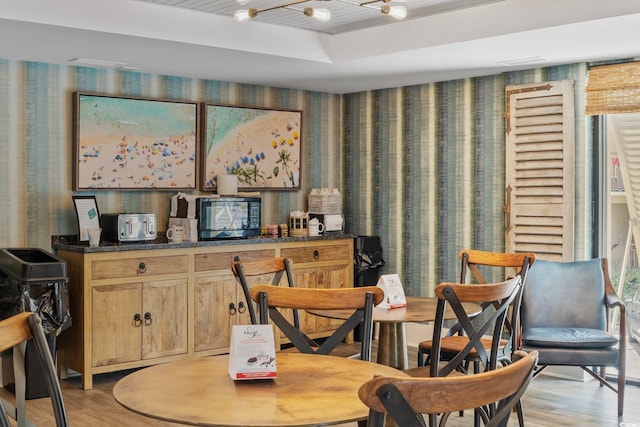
<point>310,390</point>
<point>392,339</point>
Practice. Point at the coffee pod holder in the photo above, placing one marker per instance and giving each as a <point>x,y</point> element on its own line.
<point>298,223</point>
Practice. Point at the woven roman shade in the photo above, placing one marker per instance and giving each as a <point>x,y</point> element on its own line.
<point>614,89</point>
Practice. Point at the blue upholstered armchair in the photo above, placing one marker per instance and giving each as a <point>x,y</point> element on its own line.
<point>565,318</point>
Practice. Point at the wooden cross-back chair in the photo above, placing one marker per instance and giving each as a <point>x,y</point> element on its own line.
<point>406,399</point>
<point>361,300</point>
<point>471,344</point>
<point>496,298</point>
<point>476,261</point>
<point>473,261</point>
<point>244,271</point>
<point>15,331</point>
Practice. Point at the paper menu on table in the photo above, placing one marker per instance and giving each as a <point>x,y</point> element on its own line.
<point>252,354</point>
<point>393,291</point>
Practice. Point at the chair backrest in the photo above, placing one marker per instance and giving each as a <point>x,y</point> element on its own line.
<point>15,331</point>
<point>361,300</point>
<point>566,294</point>
<point>244,271</point>
<point>496,299</point>
<point>473,261</point>
<point>406,398</point>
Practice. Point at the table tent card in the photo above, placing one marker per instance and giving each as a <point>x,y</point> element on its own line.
<point>393,292</point>
<point>253,352</point>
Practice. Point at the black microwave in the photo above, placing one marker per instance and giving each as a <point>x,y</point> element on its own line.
<point>228,217</point>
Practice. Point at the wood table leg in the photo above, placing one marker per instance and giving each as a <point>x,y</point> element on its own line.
<point>392,345</point>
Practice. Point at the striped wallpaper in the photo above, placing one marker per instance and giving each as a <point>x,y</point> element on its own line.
<point>425,171</point>
<point>420,166</point>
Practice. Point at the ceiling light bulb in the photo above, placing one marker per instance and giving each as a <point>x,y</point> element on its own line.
<point>397,12</point>
<point>322,15</point>
<point>243,15</point>
<point>243,2</point>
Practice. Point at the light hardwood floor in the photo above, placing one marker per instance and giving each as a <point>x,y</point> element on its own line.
<point>547,402</point>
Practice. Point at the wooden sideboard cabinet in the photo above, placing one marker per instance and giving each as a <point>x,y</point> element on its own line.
<point>134,308</point>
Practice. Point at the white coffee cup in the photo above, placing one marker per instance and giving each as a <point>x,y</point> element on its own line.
<point>175,234</point>
<point>315,227</point>
<point>94,236</point>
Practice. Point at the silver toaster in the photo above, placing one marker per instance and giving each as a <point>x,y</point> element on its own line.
<point>125,227</point>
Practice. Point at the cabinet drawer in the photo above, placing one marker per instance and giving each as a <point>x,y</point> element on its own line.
<point>310,254</point>
<point>139,267</point>
<point>222,261</point>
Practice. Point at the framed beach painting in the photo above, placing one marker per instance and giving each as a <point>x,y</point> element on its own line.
<point>126,143</point>
<point>260,146</point>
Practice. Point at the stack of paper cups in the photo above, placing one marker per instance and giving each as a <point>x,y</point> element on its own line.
<point>227,185</point>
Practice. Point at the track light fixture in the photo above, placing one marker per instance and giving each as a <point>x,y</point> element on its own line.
<point>322,15</point>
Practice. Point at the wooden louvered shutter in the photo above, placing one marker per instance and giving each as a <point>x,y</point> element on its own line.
<point>539,183</point>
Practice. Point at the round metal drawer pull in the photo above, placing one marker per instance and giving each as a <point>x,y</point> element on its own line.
<point>137,320</point>
<point>232,308</point>
<point>147,318</point>
<point>316,254</point>
<point>142,268</point>
<point>241,307</point>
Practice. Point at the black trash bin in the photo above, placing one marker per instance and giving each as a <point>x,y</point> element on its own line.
<point>367,260</point>
<point>33,280</point>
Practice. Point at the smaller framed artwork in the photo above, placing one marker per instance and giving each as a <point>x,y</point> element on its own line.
<point>87,215</point>
<point>123,143</point>
<point>260,146</point>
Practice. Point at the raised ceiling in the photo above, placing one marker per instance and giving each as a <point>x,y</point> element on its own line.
<point>451,39</point>
<point>344,17</point>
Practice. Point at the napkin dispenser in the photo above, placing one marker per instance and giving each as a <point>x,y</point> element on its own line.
<point>331,222</point>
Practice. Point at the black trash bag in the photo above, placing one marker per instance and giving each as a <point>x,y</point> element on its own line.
<point>10,297</point>
<point>367,259</point>
<point>50,299</point>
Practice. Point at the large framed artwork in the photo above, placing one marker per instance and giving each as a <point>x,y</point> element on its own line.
<point>260,146</point>
<point>126,143</point>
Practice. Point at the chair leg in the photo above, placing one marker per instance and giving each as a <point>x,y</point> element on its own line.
<point>4,420</point>
<point>621,384</point>
<point>433,420</point>
<point>424,359</point>
<point>520,413</point>
<point>476,417</point>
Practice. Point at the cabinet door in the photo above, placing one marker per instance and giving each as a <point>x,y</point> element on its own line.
<point>164,318</point>
<point>335,277</point>
<point>306,278</point>
<point>116,337</point>
<point>213,317</point>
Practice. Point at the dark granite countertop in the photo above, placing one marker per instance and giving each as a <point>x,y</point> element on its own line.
<point>71,243</point>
